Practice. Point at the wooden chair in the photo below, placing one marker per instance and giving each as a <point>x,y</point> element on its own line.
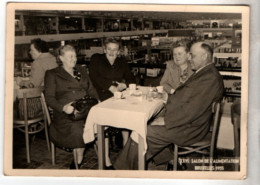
<point>27,124</point>
<point>201,147</point>
<point>235,119</point>
<point>53,156</point>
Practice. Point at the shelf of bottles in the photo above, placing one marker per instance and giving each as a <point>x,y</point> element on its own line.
<point>229,65</point>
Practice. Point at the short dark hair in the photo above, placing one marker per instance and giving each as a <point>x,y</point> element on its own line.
<point>40,45</point>
<point>181,43</point>
<point>115,40</point>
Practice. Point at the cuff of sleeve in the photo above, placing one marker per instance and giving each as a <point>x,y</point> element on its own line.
<point>172,91</point>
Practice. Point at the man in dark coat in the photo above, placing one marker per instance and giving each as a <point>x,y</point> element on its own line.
<point>188,110</point>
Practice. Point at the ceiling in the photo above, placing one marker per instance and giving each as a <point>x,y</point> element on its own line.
<point>166,16</point>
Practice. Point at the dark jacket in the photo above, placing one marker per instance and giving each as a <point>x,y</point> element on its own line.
<point>103,74</point>
<point>60,89</point>
<point>188,110</point>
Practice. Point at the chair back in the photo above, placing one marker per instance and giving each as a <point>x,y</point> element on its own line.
<point>216,121</point>
<point>29,106</point>
<point>29,93</point>
<point>45,109</point>
<point>47,113</point>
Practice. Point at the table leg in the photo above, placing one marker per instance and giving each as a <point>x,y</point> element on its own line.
<point>141,157</point>
<point>101,148</point>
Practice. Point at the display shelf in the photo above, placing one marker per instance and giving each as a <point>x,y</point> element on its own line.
<point>78,36</point>
<point>230,73</point>
<point>226,55</point>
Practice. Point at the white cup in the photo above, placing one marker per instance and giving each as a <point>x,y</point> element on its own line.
<point>132,86</point>
<point>159,89</point>
<point>118,95</point>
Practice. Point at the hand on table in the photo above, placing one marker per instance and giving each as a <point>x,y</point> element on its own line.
<point>121,86</point>
<point>113,89</point>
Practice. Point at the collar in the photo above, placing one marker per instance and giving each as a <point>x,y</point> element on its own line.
<point>203,67</point>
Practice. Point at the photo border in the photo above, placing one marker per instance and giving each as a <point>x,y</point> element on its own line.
<point>10,40</point>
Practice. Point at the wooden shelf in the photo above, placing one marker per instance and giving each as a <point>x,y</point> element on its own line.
<point>230,73</point>
<point>226,55</point>
<point>78,36</point>
<point>208,29</point>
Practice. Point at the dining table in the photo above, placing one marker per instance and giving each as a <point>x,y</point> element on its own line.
<point>132,111</point>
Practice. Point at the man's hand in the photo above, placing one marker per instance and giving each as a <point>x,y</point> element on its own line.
<point>158,121</point>
<point>68,109</point>
<point>172,91</point>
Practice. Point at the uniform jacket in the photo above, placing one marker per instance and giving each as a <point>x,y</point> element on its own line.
<point>188,110</point>
<point>103,74</point>
<point>171,76</point>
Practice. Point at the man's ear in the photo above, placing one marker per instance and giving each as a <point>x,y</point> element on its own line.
<point>205,56</point>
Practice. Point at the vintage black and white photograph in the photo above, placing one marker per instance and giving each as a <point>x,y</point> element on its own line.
<point>120,90</point>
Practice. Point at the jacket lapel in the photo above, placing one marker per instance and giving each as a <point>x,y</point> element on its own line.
<point>63,74</point>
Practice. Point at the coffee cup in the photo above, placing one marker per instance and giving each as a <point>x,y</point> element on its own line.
<point>118,95</point>
<point>159,89</point>
<point>132,86</point>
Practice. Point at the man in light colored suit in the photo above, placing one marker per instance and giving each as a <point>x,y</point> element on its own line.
<point>188,110</point>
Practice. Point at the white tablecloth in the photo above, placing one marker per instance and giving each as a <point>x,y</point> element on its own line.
<point>131,113</point>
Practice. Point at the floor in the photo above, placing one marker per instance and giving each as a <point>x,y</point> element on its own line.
<point>41,157</point>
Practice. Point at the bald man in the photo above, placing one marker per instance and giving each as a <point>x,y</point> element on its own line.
<point>188,111</point>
